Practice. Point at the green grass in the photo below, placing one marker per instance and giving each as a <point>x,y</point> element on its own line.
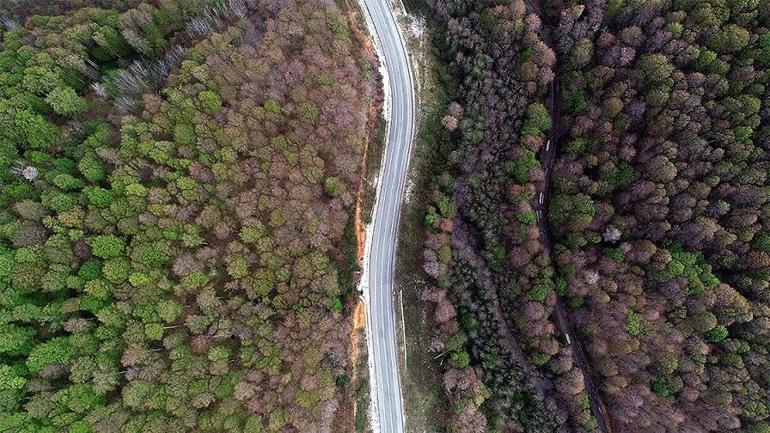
<point>422,376</point>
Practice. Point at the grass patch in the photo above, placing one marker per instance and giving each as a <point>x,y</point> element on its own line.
<point>422,377</point>
<point>374,162</point>
<point>361,393</point>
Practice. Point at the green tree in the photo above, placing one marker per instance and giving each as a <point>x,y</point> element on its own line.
<point>184,134</point>
<point>153,331</point>
<point>10,379</point>
<point>37,132</point>
<point>80,426</point>
<point>54,351</point>
<point>98,197</point>
<point>92,169</point>
<point>136,393</point>
<point>65,101</point>
<point>238,268</point>
<point>107,246</point>
<point>660,387</point>
<point>519,168</point>
<point>210,101</point>
<point>334,187</point>
<point>169,310</point>
<point>536,120</point>
<point>717,334</point>
<point>540,291</point>
<point>272,107</point>
<point>459,359</point>
<point>254,424</point>
<point>308,112</point>
<point>16,340</point>
<point>731,39</point>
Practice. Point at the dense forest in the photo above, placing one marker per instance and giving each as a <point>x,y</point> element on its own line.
<point>179,180</point>
<point>667,146</point>
<point>177,250</point>
<point>653,243</point>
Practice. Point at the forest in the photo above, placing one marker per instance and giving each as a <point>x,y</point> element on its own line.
<point>634,295</point>
<point>177,244</point>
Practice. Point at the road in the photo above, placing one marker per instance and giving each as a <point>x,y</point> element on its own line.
<point>387,400</point>
<point>541,208</point>
<point>540,205</point>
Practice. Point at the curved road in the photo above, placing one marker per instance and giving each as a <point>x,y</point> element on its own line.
<point>387,401</point>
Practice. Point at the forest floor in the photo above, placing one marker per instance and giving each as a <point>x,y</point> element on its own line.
<point>425,400</point>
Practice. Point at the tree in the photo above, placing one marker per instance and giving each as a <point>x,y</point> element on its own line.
<point>37,132</point>
<point>731,39</point>
<point>54,351</point>
<point>107,246</point>
<point>210,102</point>
<point>136,393</point>
<point>169,310</point>
<point>121,265</point>
<point>717,334</point>
<point>10,379</point>
<point>92,169</point>
<point>536,120</point>
<point>334,187</point>
<point>238,268</point>
<point>450,122</point>
<point>65,101</point>
<point>459,359</point>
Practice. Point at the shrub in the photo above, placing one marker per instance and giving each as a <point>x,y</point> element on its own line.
<point>459,359</point>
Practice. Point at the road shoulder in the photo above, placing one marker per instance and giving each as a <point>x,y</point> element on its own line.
<point>426,405</point>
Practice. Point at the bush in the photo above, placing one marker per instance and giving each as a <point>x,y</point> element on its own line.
<point>459,359</point>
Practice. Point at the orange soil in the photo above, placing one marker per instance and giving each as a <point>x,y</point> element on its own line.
<point>366,43</point>
<point>359,321</point>
<point>374,109</point>
<point>359,312</point>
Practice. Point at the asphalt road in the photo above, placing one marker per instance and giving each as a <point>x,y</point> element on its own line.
<point>387,405</point>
